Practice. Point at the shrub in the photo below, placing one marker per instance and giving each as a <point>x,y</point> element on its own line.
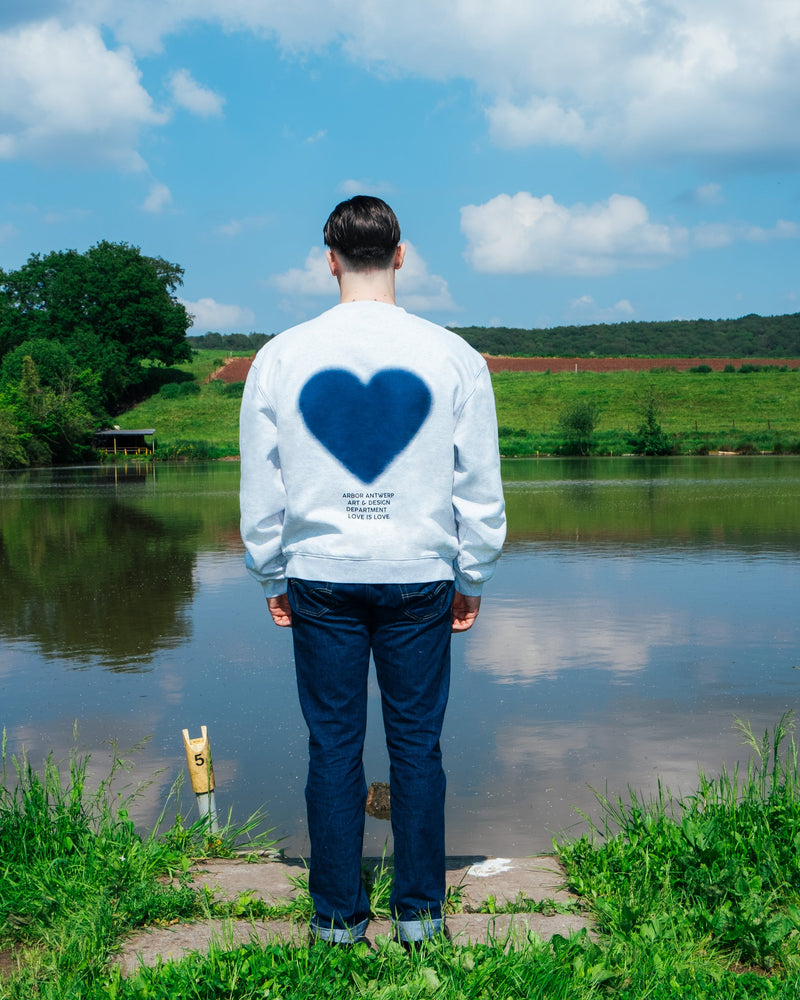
<point>649,439</point>
<point>174,390</point>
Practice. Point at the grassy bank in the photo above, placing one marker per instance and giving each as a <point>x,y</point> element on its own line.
<point>698,897</point>
<point>696,412</point>
<point>198,419</point>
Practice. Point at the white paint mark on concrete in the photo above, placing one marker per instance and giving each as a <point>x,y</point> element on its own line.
<point>494,866</point>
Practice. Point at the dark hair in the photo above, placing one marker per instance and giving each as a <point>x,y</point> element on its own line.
<point>363,230</point>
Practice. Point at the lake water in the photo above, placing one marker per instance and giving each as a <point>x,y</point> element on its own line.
<point>641,607</point>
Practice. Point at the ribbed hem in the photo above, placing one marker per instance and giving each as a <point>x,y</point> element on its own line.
<point>312,567</point>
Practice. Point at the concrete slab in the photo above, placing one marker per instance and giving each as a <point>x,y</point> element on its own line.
<point>474,880</point>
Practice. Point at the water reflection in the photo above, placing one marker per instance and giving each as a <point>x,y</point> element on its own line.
<point>640,608</point>
<point>87,576</point>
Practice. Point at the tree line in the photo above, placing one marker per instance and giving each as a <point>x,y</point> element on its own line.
<point>213,341</point>
<point>748,337</point>
<point>83,336</point>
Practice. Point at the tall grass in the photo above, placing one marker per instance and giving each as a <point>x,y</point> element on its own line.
<point>717,872</point>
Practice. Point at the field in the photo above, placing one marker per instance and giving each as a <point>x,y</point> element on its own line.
<point>590,364</point>
<point>755,408</point>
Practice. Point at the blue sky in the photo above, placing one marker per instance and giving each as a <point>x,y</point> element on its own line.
<point>591,160</point>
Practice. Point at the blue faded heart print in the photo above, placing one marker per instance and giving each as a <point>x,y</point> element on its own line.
<point>365,427</point>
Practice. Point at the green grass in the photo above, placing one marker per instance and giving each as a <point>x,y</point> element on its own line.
<point>202,424</point>
<point>754,412</point>
<point>716,411</point>
<point>75,875</point>
<point>696,897</point>
<point>713,878</point>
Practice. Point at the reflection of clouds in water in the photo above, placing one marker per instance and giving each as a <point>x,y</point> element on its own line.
<point>147,774</point>
<point>171,684</point>
<point>520,643</point>
<point>214,569</point>
<point>538,779</point>
<point>635,753</point>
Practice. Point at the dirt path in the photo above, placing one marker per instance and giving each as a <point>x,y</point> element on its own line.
<point>498,364</point>
<point>236,369</point>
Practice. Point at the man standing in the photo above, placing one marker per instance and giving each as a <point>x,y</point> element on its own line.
<point>372,514</point>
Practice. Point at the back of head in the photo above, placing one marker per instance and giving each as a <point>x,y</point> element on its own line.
<point>365,231</point>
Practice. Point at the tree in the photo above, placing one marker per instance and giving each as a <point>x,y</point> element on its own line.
<point>111,308</point>
<point>41,423</point>
<point>577,425</point>
<point>649,438</point>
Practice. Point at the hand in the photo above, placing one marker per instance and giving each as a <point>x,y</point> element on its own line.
<point>280,610</point>
<point>463,612</point>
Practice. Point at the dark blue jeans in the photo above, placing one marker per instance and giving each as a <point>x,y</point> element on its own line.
<point>407,629</point>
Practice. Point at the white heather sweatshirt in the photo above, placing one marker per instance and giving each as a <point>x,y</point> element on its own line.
<point>369,454</point>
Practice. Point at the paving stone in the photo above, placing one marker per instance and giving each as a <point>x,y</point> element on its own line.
<point>477,879</point>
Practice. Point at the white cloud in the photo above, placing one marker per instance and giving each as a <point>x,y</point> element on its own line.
<point>708,194</point>
<point>313,278</point>
<point>237,226</point>
<point>351,187</point>
<point>189,94</point>
<point>7,231</point>
<point>62,91</point>
<point>540,122</point>
<point>211,315</point>
<point>710,78</point>
<point>417,290</point>
<point>782,230</point>
<point>158,197</point>
<point>522,234</point>
<point>316,137</point>
<point>589,311</point>
<point>712,235</point>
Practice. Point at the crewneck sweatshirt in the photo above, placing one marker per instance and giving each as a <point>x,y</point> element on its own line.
<point>369,454</point>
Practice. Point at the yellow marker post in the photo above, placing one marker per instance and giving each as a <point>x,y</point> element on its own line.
<point>201,771</point>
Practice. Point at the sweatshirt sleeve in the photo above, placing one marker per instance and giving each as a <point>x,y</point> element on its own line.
<point>477,489</point>
<point>262,494</point>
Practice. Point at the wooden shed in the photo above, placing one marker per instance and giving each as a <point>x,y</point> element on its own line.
<point>118,442</point>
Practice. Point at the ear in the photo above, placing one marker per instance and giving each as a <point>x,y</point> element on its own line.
<point>399,256</point>
<point>333,263</point>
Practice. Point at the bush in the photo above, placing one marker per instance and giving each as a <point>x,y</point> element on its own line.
<point>174,390</point>
<point>153,378</point>
<point>226,388</point>
<point>701,369</point>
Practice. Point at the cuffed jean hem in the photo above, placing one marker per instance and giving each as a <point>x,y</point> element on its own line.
<point>418,930</point>
<point>339,935</point>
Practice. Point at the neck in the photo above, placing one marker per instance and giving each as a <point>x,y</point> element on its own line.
<point>367,286</point>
